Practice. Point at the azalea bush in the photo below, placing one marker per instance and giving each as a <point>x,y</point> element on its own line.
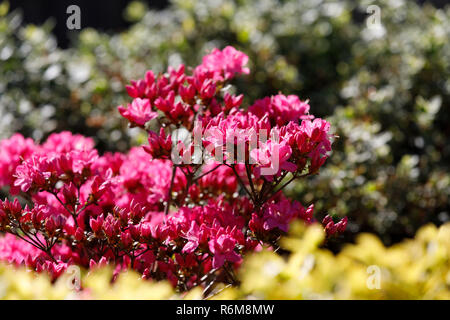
<point>186,207</point>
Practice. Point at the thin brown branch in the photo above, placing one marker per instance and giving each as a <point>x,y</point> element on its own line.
<point>242,183</point>
<point>169,194</point>
<point>206,173</point>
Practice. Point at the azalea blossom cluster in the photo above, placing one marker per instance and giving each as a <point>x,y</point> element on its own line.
<point>186,207</point>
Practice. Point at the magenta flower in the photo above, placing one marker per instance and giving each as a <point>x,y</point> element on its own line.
<point>12,152</point>
<point>225,64</point>
<point>279,215</point>
<point>66,141</point>
<point>333,228</point>
<point>281,109</point>
<point>222,249</point>
<point>271,158</point>
<point>34,172</point>
<point>143,88</point>
<point>195,235</point>
<point>159,146</point>
<point>139,112</point>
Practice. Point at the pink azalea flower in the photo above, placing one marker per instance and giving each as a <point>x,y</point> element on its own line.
<point>12,152</point>
<point>271,158</point>
<point>225,63</point>
<point>139,112</point>
<point>281,109</point>
<point>65,141</point>
<point>222,248</point>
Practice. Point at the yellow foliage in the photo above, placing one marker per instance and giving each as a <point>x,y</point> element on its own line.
<point>128,286</point>
<point>418,268</point>
<point>18,283</point>
<point>414,269</point>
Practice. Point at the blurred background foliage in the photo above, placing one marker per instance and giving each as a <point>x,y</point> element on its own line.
<point>413,269</point>
<point>385,90</point>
